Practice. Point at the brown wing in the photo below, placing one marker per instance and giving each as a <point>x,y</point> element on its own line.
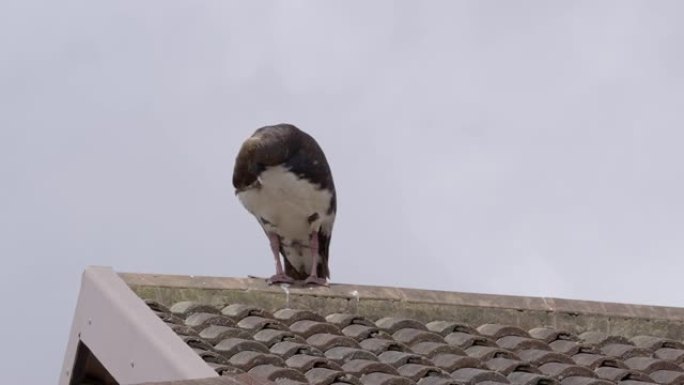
<point>324,246</point>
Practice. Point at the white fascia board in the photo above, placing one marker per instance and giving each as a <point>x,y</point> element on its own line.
<point>126,336</point>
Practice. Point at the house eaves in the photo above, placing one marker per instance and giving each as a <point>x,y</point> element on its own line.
<point>130,341</point>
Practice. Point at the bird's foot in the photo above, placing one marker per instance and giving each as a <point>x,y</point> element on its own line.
<point>313,280</point>
<point>279,278</point>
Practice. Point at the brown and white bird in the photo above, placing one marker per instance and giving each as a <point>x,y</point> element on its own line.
<point>282,177</point>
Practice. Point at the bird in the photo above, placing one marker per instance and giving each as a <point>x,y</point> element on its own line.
<point>282,177</point>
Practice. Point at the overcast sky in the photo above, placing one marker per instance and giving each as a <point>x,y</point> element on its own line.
<point>530,148</point>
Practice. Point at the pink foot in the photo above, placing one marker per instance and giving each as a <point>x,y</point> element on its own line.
<point>280,278</point>
<point>312,280</point>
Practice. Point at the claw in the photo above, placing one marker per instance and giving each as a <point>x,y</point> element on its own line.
<point>313,280</point>
<point>280,278</point>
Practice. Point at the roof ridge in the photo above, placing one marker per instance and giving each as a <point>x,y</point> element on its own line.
<point>424,305</point>
<point>410,295</point>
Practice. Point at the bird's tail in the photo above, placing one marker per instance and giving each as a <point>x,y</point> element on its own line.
<point>291,271</point>
<point>322,268</point>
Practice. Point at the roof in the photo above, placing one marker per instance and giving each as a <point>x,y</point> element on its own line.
<point>362,335</point>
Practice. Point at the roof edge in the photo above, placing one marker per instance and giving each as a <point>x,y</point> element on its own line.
<point>115,323</point>
<point>226,379</point>
<point>575,315</point>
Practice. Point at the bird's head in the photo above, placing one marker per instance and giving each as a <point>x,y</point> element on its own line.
<point>247,167</point>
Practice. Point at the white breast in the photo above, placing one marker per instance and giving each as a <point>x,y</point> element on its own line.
<point>286,202</point>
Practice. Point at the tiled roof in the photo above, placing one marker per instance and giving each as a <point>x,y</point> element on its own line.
<point>317,346</point>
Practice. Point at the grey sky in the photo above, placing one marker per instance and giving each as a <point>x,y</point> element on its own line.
<point>484,146</point>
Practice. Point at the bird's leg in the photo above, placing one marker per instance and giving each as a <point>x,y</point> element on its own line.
<point>315,256</point>
<point>280,276</point>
